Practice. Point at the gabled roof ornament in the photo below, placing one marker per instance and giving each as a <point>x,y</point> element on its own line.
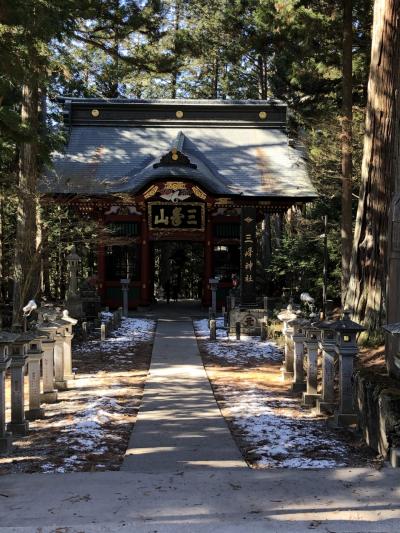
<point>175,157</point>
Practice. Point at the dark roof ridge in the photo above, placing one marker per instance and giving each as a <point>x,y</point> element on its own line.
<point>169,101</point>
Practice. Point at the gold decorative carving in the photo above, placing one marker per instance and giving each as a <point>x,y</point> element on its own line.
<point>175,185</point>
<point>263,115</point>
<point>223,201</point>
<point>199,193</point>
<point>151,191</point>
<point>95,113</point>
<point>179,114</point>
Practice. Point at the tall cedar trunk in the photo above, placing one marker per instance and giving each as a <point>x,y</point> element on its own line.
<point>215,79</point>
<point>366,295</point>
<point>347,162</point>
<point>262,77</point>
<point>26,259</point>
<point>175,71</point>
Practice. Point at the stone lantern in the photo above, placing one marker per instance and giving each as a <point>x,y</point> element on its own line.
<point>284,316</point>
<point>313,335</point>
<point>19,425</point>
<point>327,344</point>
<point>346,349</point>
<point>6,339</point>
<point>298,336</point>
<point>73,301</point>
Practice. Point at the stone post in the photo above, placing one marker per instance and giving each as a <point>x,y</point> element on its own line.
<point>238,327</point>
<point>214,286</point>
<point>35,355</point>
<point>213,330</point>
<point>233,301</point>
<point>266,305</point>
<point>67,347</point>
<point>84,331</point>
<point>103,331</point>
<point>264,335</point>
<point>125,295</point>
<point>347,350</point>
<point>287,369</point>
<point>327,344</point>
<point>311,344</point>
<point>18,425</point>
<point>49,394</point>
<point>298,337</point>
<point>59,377</point>
<point>5,341</point>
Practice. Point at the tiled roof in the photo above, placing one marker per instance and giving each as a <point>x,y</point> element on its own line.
<point>228,160</point>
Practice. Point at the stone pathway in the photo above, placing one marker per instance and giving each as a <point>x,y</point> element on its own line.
<point>179,425</point>
<point>183,474</point>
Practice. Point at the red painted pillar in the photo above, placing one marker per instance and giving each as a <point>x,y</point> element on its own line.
<point>145,265</point>
<point>208,261</point>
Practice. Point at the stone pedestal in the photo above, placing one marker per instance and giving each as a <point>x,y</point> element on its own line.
<point>346,349</point>
<point>5,436</point>
<point>326,404</point>
<point>68,322</point>
<point>213,330</point>
<point>288,363</point>
<point>345,415</point>
<point>67,349</point>
<point>287,369</point>
<point>125,296</point>
<point>311,395</point>
<point>6,339</point>
<point>298,384</point>
<point>35,355</point>
<point>60,382</point>
<point>18,425</point>
<point>49,392</point>
<point>213,282</point>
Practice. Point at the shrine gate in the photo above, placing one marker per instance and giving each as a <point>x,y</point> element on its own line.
<point>177,180</point>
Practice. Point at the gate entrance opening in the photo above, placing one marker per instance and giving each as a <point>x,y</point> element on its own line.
<point>178,270</point>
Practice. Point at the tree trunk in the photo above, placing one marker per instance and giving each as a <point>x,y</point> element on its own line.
<point>366,294</point>
<point>262,77</point>
<point>347,161</point>
<point>215,78</point>
<point>175,71</point>
<point>26,282</point>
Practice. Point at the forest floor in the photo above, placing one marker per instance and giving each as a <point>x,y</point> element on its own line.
<point>89,427</point>
<point>265,418</point>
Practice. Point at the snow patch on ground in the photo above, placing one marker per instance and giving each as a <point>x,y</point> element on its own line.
<point>130,331</point>
<point>281,434</point>
<point>87,430</point>
<point>276,430</point>
<point>234,350</point>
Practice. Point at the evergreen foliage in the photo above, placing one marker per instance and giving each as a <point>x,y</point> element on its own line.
<point>289,50</point>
